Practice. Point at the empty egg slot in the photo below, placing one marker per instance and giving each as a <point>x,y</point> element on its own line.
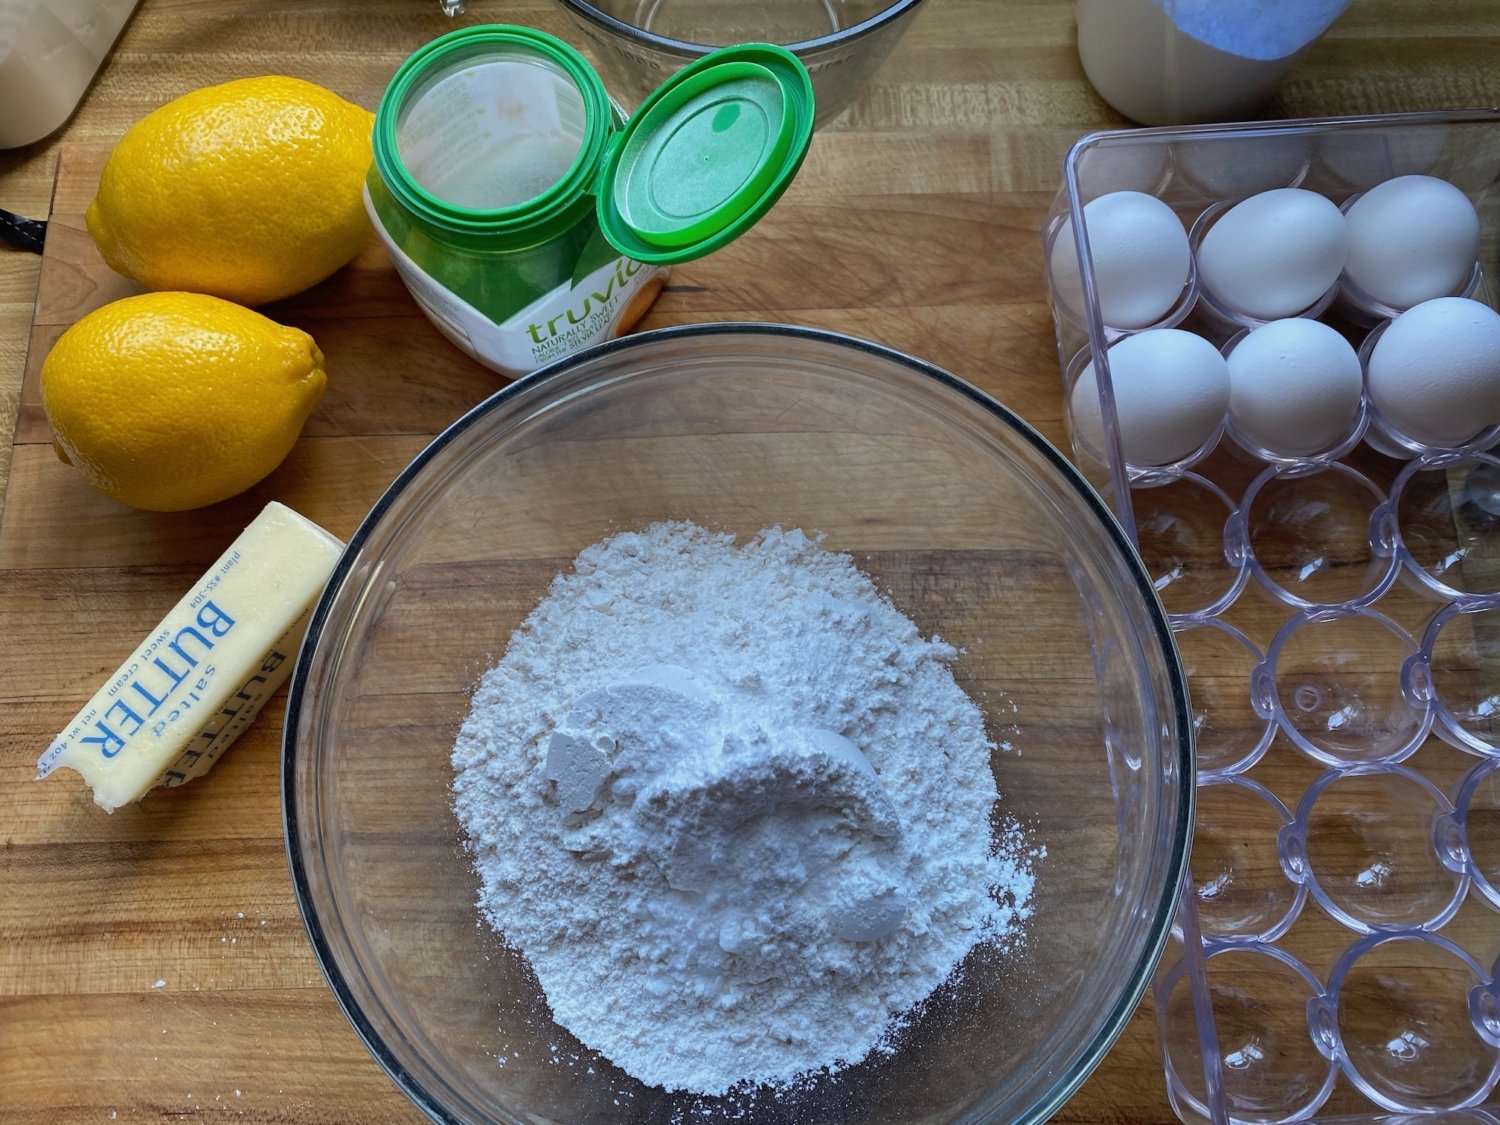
<point>1447,524</point>
<point>1180,528</point>
<point>1476,823</point>
<point>1460,664</point>
<point>1405,1008</point>
<point>1314,536</point>
<point>1346,711</point>
<point>1230,733</point>
<point>1368,838</point>
<point>1243,893</point>
<point>1272,1070</point>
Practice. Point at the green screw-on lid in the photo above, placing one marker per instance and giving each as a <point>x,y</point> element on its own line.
<point>707,154</point>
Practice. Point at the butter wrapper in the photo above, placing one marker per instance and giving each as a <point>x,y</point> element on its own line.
<point>202,675</point>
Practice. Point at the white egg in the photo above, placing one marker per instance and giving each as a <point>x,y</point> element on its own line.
<point>1411,239</point>
<point>1140,255</point>
<point>1434,374</point>
<point>1171,390</point>
<point>1294,387</point>
<point>1274,254</point>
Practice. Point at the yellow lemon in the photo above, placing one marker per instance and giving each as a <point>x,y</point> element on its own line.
<point>169,401</point>
<point>249,191</point>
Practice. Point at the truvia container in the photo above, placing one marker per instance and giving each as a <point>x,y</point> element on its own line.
<point>528,219</point>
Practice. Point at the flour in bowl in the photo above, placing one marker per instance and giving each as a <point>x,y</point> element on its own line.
<point>732,808</point>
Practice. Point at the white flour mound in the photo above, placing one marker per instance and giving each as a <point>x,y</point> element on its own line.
<point>732,808</point>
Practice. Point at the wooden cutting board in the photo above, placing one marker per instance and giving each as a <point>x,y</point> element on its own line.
<point>152,962</point>
<point>914,222</point>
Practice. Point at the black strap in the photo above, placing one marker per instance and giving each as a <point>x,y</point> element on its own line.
<point>22,233</point>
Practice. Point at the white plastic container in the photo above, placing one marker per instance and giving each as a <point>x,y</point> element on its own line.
<point>50,51</point>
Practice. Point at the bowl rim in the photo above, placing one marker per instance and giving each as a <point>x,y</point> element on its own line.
<point>297,693</point>
<point>616,26</point>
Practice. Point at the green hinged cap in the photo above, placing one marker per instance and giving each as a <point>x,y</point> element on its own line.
<point>707,154</point>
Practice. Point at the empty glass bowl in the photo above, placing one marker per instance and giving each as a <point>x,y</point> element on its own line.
<point>841,42</point>
<point>979,531</point>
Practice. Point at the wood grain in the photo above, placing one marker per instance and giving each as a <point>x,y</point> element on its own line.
<point>914,222</point>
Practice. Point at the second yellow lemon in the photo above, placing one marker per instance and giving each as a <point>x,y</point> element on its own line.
<point>169,401</point>
<point>249,191</point>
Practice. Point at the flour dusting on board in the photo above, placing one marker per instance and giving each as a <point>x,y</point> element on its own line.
<point>733,808</point>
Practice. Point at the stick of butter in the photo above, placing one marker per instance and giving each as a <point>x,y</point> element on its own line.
<point>202,675</point>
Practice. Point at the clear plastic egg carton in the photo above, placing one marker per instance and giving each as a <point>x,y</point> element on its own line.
<point>1336,952</point>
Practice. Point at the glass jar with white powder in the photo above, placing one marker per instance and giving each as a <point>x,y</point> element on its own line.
<point>1179,62</point>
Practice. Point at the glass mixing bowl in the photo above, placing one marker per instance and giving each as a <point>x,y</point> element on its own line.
<point>979,531</point>
<point>841,42</point>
